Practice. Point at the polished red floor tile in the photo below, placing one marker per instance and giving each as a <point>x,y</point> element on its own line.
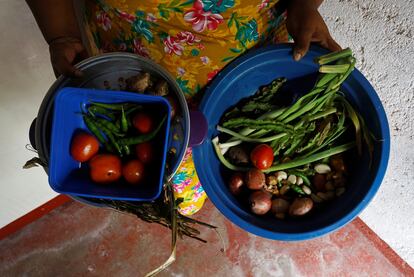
<point>78,240</point>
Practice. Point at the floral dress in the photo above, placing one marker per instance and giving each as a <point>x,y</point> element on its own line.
<point>192,39</point>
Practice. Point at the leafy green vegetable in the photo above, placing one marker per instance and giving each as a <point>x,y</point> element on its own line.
<point>305,132</point>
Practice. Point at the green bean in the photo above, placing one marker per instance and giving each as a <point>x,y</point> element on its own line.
<point>124,122</point>
<point>312,158</point>
<point>306,108</point>
<point>279,184</point>
<point>244,138</point>
<point>133,109</point>
<point>257,124</point>
<point>101,125</point>
<point>333,56</point>
<point>337,68</point>
<point>301,175</point>
<point>325,79</point>
<point>93,109</point>
<point>322,114</point>
<point>94,129</point>
<point>110,126</point>
<point>297,189</point>
<point>142,138</point>
<point>115,106</point>
<point>126,149</point>
<point>303,101</point>
<point>346,74</point>
<point>114,143</point>
<point>118,123</point>
<point>92,126</point>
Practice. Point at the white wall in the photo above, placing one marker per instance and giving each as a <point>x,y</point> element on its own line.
<point>381,33</point>
<point>25,76</point>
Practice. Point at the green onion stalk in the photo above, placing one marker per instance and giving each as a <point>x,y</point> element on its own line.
<point>291,131</point>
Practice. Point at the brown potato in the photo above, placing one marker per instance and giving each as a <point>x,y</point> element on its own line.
<point>338,164</point>
<point>300,206</point>
<point>139,83</point>
<point>238,155</point>
<point>260,202</point>
<point>319,181</point>
<point>280,205</point>
<point>236,183</point>
<point>255,179</point>
<point>161,88</point>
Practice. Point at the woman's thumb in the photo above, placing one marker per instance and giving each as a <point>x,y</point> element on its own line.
<point>301,45</point>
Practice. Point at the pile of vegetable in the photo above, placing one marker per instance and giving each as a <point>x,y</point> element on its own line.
<point>125,131</point>
<point>131,141</point>
<point>286,159</point>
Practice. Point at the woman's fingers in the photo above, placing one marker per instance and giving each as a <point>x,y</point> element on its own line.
<point>62,66</point>
<point>63,54</point>
<point>333,45</point>
<point>302,43</point>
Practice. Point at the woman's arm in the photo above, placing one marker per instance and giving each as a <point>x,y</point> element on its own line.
<point>55,18</point>
<point>57,21</point>
<point>306,25</point>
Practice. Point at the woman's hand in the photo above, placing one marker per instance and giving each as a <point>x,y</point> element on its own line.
<point>64,52</point>
<point>306,25</point>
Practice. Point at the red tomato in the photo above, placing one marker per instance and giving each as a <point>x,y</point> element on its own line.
<point>105,168</point>
<point>142,122</point>
<point>262,156</point>
<point>144,152</point>
<point>84,146</point>
<point>133,171</point>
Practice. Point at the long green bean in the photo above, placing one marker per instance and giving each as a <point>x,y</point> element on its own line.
<point>334,56</point>
<point>248,139</point>
<point>312,158</point>
<point>144,137</point>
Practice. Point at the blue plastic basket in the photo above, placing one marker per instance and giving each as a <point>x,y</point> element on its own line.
<point>68,176</point>
<point>241,79</point>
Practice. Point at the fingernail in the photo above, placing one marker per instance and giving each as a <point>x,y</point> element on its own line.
<point>297,56</point>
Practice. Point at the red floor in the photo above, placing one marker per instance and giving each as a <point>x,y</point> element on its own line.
<point>77,240</point>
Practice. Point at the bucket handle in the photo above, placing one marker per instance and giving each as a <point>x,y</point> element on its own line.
<point>198,128</point>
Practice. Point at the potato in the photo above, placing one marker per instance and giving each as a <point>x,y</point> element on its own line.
<point>139,83</point>
<point>236,183</point>
<point>255,179</point>
<point>338,164</point>
<point>319,181</point>
<point>300,206</point>
<point>280,205</point>
<point>238,155</point>
<point>260,202</point>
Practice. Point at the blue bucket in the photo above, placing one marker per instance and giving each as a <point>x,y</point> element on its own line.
<point>241,79</point>
<point>68,176</point>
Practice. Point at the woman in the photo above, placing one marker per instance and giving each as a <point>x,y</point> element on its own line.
<point>192,39</point>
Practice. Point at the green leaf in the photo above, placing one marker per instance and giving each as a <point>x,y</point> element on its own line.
<point>195,52</point>
<point>97,39</point>
<point>230,23</point>
<point>186,3</point>
<point>165,14</point>
<point>174,3</point>
<point>177,9</point>
<point>227,59</point>
<point>235,50</point>
<point>162,35</point>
